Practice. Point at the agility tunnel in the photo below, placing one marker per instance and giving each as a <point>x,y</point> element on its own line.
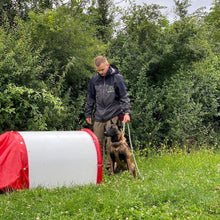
<point>49,159</point>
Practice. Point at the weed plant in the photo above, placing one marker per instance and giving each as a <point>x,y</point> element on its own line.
<point>176,185</point>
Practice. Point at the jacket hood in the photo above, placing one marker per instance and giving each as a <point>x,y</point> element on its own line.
<point>112,70</point>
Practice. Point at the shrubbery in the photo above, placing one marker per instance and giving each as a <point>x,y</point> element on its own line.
<point>184,110</point>
<point>172,70</point>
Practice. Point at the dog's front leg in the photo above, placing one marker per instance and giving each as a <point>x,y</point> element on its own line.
<point>131,168</point>
<point>112,163</point>
<point>111,168</point>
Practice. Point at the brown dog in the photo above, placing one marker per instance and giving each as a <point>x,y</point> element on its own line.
<point>120,154</point>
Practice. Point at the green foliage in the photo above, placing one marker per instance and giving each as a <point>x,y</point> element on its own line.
<point>11,9</point>
<point>20,63</point>
<point>190,115</point>
<point>73,115</point>
<point>181,8</point>
<point>168,67</point>
<point>26,103</point>
<point>103,16</point>
<point>206,76</point>
<point>184,110</point>
<point>179,46</point>
<point>135,43</point>
<point>51,52</point>
<point>20,8</point>
<point>68,41</point>
<point>22,109</point>
<point>175,186</point>
<point>147,114</point>
<point>213,22</point>
<point>172,70</point>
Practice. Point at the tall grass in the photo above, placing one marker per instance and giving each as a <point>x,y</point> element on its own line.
<point>175,186</point>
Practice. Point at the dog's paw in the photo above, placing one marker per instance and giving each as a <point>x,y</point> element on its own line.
<point>109,172</point>
<point>133,170</point>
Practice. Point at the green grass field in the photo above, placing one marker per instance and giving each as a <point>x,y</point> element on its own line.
<point>175,186</point>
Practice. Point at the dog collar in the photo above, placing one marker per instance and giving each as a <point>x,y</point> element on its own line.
<point>115,144</point>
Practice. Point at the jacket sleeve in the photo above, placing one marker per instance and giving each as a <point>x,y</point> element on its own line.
<point>91,94</point>
<point>121,90</point>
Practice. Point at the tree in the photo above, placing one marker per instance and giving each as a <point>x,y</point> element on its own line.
<point>181,8</point>
<point>213,21</point>
<point>26,103</point>
<point>183,111</point>
<point>160,63</point>
<point>12,8</point>
<point>47,60</point>
<point>135,44</point>
<point>105,19</point>
<point>179,46</point>
<point>69,43</point>
<point>21,8</point>
<point>101,16</point>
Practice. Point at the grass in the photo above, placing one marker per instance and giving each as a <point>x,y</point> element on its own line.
<point>175,186</point>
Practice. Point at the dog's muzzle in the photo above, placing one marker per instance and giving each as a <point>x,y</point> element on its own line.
<point>106,133</point>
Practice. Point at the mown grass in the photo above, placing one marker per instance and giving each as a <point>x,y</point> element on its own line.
<point>175,186</point>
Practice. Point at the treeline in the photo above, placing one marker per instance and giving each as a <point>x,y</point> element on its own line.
<point>47,49</point>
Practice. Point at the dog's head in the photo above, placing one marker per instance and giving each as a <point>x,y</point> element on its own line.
<point>114,132</point>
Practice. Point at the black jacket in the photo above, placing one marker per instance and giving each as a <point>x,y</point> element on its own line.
<point>108,94</point>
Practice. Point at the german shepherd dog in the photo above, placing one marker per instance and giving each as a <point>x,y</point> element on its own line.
<point>120,155</point>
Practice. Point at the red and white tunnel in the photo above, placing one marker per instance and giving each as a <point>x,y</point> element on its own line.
<point>49,159</point>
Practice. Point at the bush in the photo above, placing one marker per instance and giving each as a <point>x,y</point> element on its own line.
<point>184,110</point>
<point>24,109</point>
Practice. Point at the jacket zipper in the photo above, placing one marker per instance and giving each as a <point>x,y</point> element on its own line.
<point>103,91</point>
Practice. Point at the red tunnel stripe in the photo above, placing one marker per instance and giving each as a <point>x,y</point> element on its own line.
<point>99,154</point>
